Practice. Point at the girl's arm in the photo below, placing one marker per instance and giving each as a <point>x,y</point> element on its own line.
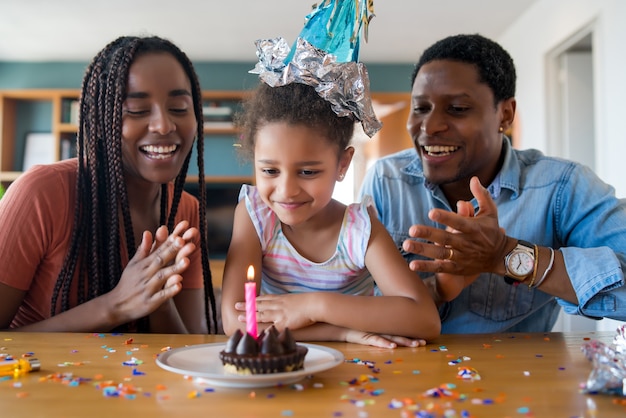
<point>244,251</point>
<point>406,309</point>
<point>327,332</point>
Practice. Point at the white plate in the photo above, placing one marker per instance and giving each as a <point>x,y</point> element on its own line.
<point>202,361</point>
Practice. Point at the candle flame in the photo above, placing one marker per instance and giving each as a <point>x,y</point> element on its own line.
<point>251,273</point>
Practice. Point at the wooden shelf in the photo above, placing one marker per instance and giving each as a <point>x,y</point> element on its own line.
<point>209,130</point>
<point>9,176</point>
<point>11,135</point>
<point>67,128</point>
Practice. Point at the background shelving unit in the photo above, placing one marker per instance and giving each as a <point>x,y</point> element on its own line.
<point>26,111</point>
<point>54,111</point>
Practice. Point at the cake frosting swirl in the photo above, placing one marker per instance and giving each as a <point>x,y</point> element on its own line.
<point>271,352</point>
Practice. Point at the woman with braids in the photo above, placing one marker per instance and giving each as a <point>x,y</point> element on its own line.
<point>109,240</point>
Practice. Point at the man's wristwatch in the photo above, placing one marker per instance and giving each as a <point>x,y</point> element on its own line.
<point>520,262</point>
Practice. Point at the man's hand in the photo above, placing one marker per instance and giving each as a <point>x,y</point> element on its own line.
<point>471,243</point>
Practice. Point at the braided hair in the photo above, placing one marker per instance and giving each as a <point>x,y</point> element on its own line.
<point>100,188</point>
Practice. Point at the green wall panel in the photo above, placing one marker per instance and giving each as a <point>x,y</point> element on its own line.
<point>212,75</point>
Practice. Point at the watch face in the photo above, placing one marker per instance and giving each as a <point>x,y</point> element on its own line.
<point>521,263</point>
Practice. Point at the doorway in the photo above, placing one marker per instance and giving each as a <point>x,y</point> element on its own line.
<point>571,128</point>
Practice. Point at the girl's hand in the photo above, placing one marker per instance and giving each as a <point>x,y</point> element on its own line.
<point>380,340</point>
<point>284,311</point>
<point>153,275</point>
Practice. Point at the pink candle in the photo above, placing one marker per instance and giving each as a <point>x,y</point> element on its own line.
<point>250,288</point>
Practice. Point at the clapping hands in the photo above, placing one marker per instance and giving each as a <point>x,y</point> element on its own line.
<point>153,275</point>
<point>472,243</point>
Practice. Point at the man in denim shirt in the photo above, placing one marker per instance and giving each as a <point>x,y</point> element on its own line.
<point>544,232</point>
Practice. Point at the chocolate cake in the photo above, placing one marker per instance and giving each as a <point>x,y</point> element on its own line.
<point>272,352</point>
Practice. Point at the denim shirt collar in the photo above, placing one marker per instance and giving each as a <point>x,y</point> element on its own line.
<point>508,177</point>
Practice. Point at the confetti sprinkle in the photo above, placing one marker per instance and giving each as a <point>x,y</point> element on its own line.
<point>396,404</point>
<point>468,373</point>
<point>110,391</point>
<point>132,362</point>
<point>193,394</point>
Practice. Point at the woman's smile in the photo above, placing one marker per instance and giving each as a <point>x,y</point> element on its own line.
<point>159,152</point>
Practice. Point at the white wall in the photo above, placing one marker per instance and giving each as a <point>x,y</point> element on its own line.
<point>546,25</point>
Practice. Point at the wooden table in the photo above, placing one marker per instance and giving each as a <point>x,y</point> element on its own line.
<point>522,375</point>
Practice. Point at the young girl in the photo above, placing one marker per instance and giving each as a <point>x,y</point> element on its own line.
<point>68,242</point>
<point>316,260</point>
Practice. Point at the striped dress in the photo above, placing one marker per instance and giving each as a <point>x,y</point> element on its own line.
<point>286,271</point>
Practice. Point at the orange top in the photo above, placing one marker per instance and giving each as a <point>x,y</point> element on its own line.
<point>36,215</point>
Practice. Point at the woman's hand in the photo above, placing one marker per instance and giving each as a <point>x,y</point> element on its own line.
<point>153,275</point>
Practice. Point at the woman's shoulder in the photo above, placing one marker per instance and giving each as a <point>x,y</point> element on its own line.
<point>47,178</point>
<point>63,168</point>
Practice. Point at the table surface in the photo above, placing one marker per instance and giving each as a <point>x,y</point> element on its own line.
<point>521,375</point>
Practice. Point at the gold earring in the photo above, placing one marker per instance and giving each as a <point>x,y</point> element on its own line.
<point>501,129</point>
